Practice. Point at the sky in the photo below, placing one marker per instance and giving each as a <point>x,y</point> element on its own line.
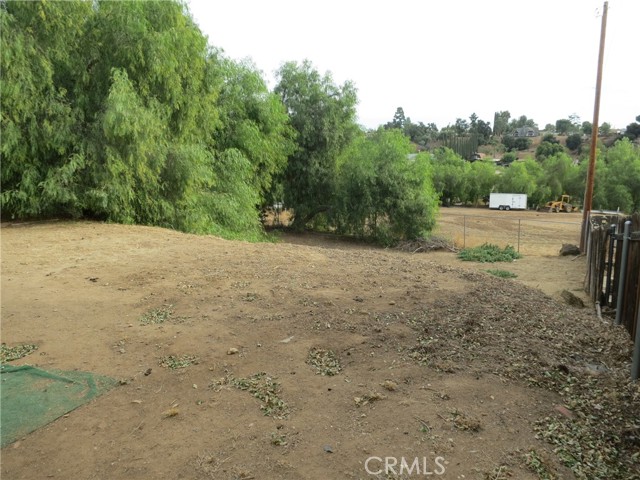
<point>443,60</point>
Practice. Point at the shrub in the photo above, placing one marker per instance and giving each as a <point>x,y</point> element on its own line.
<point>502,273</point>
<point>488,253</point>
<point>574,141</point>
<point>512,143</point>
<point>508,158</point>
<point>548,149</point>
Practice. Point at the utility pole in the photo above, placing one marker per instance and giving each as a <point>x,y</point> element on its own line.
<point>588,193</point>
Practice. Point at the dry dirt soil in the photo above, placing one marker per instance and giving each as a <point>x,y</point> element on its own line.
<point>303,359</point>
<point>537,233</point>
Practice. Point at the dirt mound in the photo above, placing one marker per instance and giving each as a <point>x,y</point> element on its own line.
<point>242,360</point>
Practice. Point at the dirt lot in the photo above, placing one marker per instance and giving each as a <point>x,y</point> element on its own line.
<point>310,357</point>
<point>532,232</point>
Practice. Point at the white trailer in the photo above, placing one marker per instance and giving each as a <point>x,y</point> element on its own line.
<point>508,201</point>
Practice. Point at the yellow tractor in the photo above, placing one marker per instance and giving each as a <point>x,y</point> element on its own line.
<point>562,205</point>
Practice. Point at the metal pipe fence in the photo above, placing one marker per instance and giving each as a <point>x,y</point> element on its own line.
<point>613,272</point>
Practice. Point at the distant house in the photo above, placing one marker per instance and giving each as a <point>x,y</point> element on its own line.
<point>526,132</point>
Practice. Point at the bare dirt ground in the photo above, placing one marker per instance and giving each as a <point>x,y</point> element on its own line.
<point>533,232</point>
<point>309,358</point>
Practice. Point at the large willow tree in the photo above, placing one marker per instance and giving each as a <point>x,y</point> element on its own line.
<point>121,111</point>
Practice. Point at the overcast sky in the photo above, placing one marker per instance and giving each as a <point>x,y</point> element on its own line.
<point>446,59</point>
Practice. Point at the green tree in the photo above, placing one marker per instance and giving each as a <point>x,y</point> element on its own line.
<point>525,177</point>
<point>605,129</point>
<point>574,141</point>
<point>480,128</point>
<point>255,122</point>
<point>575,121</point>
<point>484,132</point>
<point>481,178</point>
<point>150,104</point>
<point>461,126</point>
<point>473,120</point>
<point>399,120</point>
<point>508,158</point>
<point>420,133</point>
<point>559,176</point>
<point>501,122</point>
<point>323,115</point>
<point>599,195</point>
<point>619,185</point>
<point>38,120</point>
<point>586,128</point>
<point>548,149</point>
<point>522,121</point>
<point>632,131</point>
<point>381,193</point>
<point>165,57</point>
<point>564,126</point>
<point>515,143</point>
<point>125,171</point>
<point>449,175</point>
<point>231,203</point>
<point>112,110</point>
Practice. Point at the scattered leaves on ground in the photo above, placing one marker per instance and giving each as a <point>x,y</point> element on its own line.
<point>501,472</point>
<point>264,388</point>
<point>279,439</point>
<point>538,464</point>
<point>325,362</point>
<point>8,354</point>
<point>174,361</point>
<point>157,315</point>
<point>521,334</point>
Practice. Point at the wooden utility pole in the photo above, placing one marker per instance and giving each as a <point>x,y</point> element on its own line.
<point>588,193</point>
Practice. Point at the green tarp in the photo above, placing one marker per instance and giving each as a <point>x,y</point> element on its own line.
<point>32,398</point>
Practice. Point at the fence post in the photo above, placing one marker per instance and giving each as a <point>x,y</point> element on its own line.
<point>464,231</point>
<point>586,241</point>
<point>635,366</point>
<point>607,290</point>
<point>519,220</point>
<point>623,269</point>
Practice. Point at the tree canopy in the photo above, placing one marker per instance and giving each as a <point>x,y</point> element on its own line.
<point>449,175</point>
<point>323,116</point>
<point>382,192</point>
<point>121,111</point>
<point>618,178</point>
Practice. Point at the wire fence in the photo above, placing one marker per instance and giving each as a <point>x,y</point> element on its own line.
<point>530,233</point>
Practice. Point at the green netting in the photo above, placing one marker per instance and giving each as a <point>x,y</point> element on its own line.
<point>32,398</point>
